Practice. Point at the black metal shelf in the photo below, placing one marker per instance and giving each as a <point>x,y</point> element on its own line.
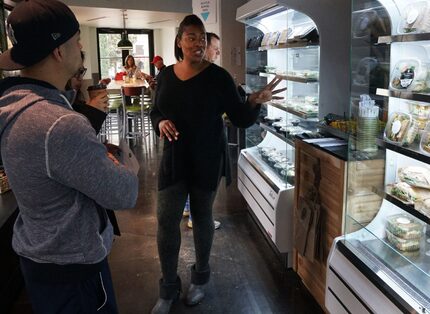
<point>299,44</point>
<point>408,208</point>
<point>403,95</point>
<point>411,151</point>
<point>297,79</point>
<point>403,38</point>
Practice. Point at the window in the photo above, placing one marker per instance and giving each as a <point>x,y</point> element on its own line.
<point>111,59</point>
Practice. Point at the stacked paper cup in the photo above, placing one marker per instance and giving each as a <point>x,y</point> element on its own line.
<point>368,125</point>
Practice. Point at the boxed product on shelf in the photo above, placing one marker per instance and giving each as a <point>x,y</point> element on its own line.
<point>415,176</point>
<point>415,18</point>
<point>404,226</point>
<point>406,245</point>
<point>401,129</point>
<point>411,75</point>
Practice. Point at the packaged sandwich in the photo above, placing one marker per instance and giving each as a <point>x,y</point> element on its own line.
<point>408,193</point>
<point>415,18</point>
<point>408,245</point>
<point>425,140</point>
<point>401,129</point>
<point>410,74</point>
<point>415,176</point>
<point>423,206</point>
<point>404,226</point>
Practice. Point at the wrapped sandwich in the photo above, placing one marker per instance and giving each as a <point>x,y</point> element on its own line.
<point>408,193</point>
<point>415,176</point>
<point>423,206</point>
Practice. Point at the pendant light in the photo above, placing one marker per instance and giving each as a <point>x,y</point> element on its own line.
<point>124,43</point>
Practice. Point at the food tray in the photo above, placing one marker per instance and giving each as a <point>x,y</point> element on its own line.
<point>405,226</point>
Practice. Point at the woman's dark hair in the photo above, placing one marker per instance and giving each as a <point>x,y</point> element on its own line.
<point>189,20</point>
<point>126,61</point>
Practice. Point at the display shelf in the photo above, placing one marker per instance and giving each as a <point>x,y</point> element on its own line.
<point>300,114</point>
<point>297,79</point>
<point>411,151</point>
<point>403,38</point>
<point>361,255</point>
<point>403,95</point>
<point>407,207</point>
<point>265,171</point>
<point>290,45</point>
<point>279,135</point>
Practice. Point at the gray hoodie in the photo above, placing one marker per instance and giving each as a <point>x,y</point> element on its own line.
<point>58,171</point>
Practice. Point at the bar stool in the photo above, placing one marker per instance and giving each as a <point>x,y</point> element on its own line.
<point>134,115</point>
<point>113,124</point>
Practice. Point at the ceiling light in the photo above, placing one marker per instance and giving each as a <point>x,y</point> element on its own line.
<point>124,43</point>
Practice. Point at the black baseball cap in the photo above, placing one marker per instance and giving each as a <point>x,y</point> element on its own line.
<point>36,28</point>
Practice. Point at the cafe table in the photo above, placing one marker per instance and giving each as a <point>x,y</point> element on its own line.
<point>114,87</point>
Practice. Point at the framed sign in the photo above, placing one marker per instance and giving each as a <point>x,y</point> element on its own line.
<point>206,10</point>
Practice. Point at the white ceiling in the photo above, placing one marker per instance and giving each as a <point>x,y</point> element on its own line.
<point>112,18</point>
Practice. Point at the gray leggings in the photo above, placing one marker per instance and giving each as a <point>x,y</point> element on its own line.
<point>171,202</point>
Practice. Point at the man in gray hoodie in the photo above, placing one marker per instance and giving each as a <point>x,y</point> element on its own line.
<point>57,168</point>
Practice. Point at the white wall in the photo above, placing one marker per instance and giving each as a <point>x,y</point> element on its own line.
<point>89,45</point>
<point>164,44</point>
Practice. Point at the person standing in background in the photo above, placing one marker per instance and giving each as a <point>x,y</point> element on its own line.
<point>213,49</point>
<point>55,163</point>
<point>158,62</point>
<point>212,53</point>
<point>95,109</point>
<point>191,97</point>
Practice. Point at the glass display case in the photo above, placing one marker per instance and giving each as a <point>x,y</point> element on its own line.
<point>383,260</point>
<point>285,43</point>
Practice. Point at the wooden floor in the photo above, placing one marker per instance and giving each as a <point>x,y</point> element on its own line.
<point>247,277</point>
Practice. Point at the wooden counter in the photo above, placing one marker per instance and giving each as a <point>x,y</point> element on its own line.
<point>332,199</point>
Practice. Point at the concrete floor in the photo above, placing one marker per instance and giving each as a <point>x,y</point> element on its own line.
<point>247,276</point>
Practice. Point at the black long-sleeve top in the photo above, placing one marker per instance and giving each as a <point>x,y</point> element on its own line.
<point>196,106</point>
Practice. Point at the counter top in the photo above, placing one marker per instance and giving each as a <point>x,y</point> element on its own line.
<point>8,205</point>
<point>340,152</point>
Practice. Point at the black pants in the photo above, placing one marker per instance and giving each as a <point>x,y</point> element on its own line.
<point>171,202</point>
<point>95,294</point>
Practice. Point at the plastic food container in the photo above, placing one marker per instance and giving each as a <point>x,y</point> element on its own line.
<point>265,152</point>
<point>401,129</point>
<point>415,18</point>
<point>404,226</point>
<point>425,140</point>
<point>410,75</point>
<point>419,110</point>
<point>407,245</point>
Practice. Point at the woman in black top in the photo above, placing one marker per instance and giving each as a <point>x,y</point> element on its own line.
<point>191,97</point>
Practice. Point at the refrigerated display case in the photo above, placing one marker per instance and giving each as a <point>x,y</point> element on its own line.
<point>285,43</point>
<point>382,262</point>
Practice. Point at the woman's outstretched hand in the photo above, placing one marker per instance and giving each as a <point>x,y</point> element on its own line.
<point>266,94</point>
<point>167,129</point>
